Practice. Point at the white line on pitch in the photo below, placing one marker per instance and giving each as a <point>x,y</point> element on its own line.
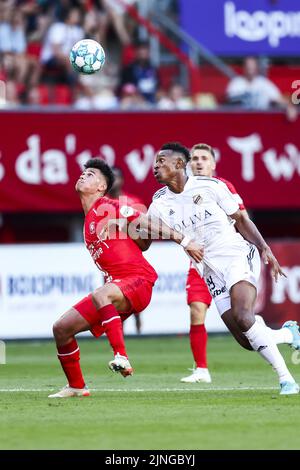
<point>109,390</point>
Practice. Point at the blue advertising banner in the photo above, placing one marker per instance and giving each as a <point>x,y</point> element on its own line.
<point>243,27</point>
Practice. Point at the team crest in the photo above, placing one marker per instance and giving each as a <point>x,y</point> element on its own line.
<point>197,198</point>
<point>92,228</point>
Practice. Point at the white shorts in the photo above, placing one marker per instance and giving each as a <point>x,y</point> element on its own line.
<point>225,270</point>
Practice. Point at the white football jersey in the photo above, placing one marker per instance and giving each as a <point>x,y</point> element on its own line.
<point>202,212</point>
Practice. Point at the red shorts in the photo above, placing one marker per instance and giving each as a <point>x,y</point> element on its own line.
<point>196,289</point>
<point>137,290</point>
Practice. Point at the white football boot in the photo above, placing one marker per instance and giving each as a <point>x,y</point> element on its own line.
<point>289,388</point>
<point>68,392</point>
<point>199,375</point>
<point>121,364</point>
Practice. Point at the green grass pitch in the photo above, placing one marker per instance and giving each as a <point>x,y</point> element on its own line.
<point>241,409</point>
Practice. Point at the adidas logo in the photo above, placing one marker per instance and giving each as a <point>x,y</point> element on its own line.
<point>171,212</point>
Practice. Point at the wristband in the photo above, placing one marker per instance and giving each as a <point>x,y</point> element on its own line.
<point>185,241</point>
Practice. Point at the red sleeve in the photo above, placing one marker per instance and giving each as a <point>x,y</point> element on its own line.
<point>232,189</point>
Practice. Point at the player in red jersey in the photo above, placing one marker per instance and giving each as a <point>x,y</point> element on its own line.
<point>202,163</point>
<point>129,277</point>
<point>117,193</point>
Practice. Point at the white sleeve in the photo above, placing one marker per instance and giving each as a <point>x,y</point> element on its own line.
<point>57,34</point>
<point>226,199</point>
<point>153,211</point>
<point>272,91</point>
<point>236,87</point>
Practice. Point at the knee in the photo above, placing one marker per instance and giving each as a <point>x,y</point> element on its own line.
<point>58,330</point>
<point>198,313</point>
<point>100,298</point>
<point>244,317</point>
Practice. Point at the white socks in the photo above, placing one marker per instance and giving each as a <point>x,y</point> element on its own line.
<point>262,341</point>
<point>281,336</point>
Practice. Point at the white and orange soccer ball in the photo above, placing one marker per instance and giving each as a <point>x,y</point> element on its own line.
<point>87,56</point>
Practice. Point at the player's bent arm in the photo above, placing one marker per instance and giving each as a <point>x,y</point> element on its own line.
<point>251,233</point>
<point>157,229</point>
<point>248,230</point>
<point>143,244</point>
<point>244,213</point>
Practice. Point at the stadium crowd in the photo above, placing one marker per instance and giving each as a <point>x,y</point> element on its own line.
<point>35,40</point>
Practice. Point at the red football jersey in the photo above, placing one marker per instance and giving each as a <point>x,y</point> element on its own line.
<point>114,252</point>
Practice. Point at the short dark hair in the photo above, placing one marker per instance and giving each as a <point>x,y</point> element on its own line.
<point>105,170</point>
<point>177,147</point>
<point>206,147</point>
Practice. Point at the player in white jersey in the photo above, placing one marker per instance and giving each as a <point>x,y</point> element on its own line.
<point>202,163</point>
<point>204,209</point>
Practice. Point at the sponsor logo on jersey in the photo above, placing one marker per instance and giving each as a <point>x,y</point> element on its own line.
<point>217,292</point>
<point>212,287</point>
<point>126,211</point>
<point>197,198</point>
<point>92,227</point>
<point>193,221</point>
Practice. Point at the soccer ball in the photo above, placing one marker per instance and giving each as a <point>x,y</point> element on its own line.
<point>87,56</point>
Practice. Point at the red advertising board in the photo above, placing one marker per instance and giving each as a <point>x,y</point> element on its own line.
<point>282,299</point>
<point>41,154</point>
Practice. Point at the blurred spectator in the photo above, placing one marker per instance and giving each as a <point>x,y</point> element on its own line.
<point>87,99</point>
<point>254,91</point>
<point>94,25</point>
<point>12,32</point>
<point>175,99</point>
<point>116,14</point>
<point>16,64</point>
<point>56,48</point>
<point>11,94</point>
<point>131,99</point>
<point>141,73</point>
<point>97,91</point>
<point>33,96</point>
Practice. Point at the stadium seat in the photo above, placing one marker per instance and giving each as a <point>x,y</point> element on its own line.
<point>167,75</point>
<point>62,95</point>
<point>44,94</point>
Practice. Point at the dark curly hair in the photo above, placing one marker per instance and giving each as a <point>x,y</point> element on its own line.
<point>177,147</point>
<point>105,170</point>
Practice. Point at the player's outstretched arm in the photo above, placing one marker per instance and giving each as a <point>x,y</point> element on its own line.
<point>251,233</point>
<point>157,229</point>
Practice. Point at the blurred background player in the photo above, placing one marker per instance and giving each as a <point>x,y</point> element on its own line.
<point>202,163</point>
<point>117,192</point>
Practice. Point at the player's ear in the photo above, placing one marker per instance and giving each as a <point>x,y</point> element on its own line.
<point>102,186</point>
<point>180,163</point>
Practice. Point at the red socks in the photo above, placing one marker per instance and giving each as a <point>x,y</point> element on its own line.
<point>112,325</point>
<point>69,356</point>
<point>198,341</point>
